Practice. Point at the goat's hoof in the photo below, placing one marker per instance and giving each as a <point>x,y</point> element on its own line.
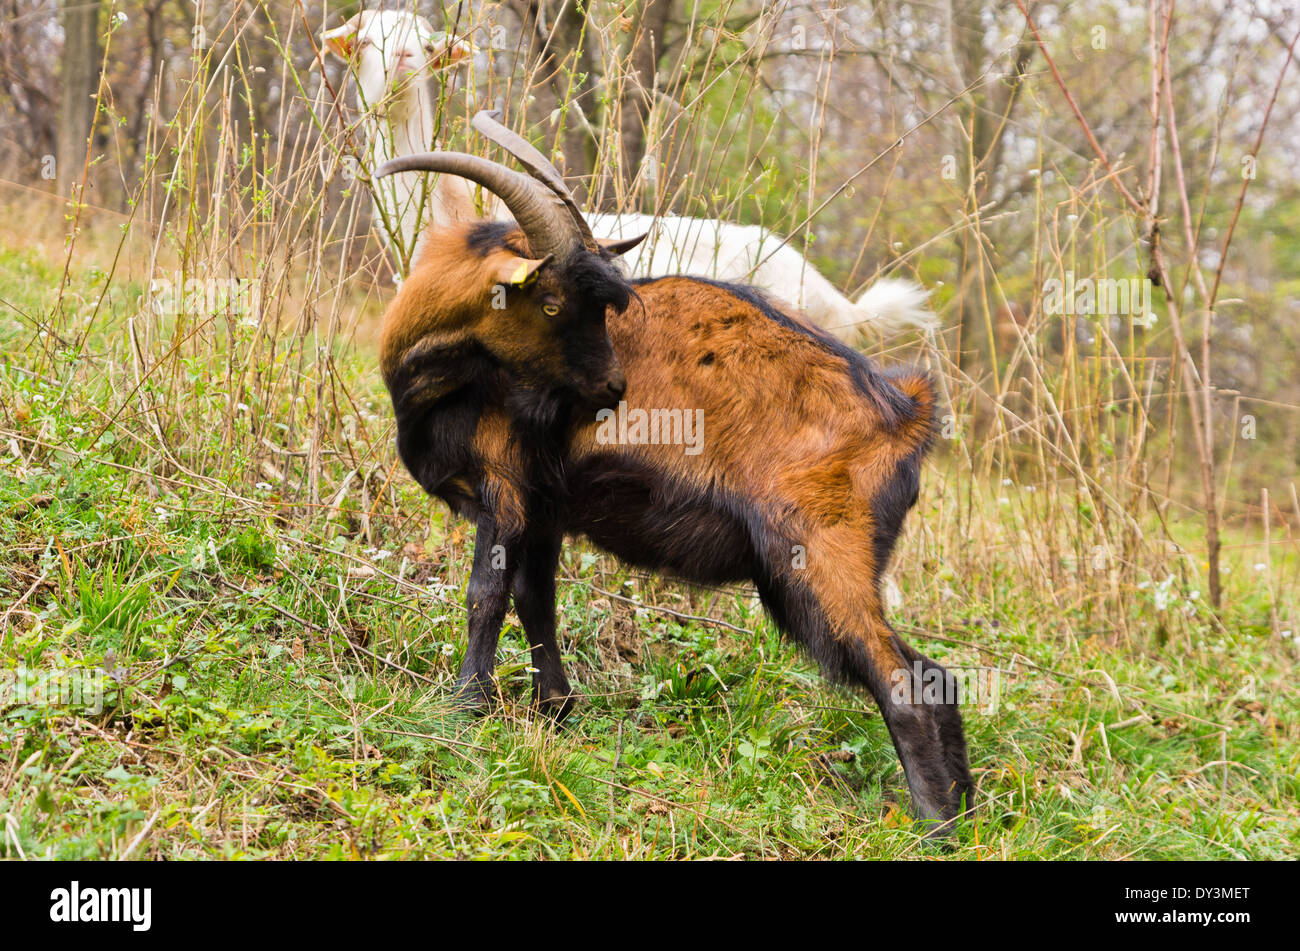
<point>556,704</point>
<point>473,695</point>
<point>939,833</point>
<point>938,826</point>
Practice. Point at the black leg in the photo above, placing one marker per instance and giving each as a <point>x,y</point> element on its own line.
<point>919,701</point>
<point>487,598</point>
<point>947,724</point>
<point>534,593</point>
<point>917,698</point>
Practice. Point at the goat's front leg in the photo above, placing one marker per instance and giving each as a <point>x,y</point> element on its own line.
<point>534,593</point>
<point>487,598</point>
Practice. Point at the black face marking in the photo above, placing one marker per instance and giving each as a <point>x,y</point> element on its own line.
<point>488,236</point>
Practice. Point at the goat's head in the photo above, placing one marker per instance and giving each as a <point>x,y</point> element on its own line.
<point>533,295</point>
<point>389,51</point>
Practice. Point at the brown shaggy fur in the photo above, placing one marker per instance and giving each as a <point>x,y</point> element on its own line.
<point>808,463</point>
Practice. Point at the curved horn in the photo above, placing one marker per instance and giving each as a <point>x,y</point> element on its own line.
<point>541,215</point>
<point>487,122</point>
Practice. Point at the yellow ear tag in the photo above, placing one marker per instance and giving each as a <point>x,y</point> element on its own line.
<point>522,275</point>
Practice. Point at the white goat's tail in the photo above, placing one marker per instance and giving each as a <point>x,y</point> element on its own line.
<point>892,305</point>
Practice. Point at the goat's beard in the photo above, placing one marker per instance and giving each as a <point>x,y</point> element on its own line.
<point>541,406</point>
<point>394,104</point>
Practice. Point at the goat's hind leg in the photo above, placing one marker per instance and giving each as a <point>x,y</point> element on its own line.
<point>919,700</point>
<point>925,727</point>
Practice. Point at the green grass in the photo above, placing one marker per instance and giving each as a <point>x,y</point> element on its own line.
<point>278,681</point>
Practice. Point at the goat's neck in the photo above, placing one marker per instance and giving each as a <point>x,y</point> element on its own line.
<point>406,127</point>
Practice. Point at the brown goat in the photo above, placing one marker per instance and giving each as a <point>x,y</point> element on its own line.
<point>504,351</point>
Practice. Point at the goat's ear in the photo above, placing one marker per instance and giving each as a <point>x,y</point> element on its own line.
<point>616,246</point>
<point>444,52</point>
<point>341,39</point>
<point>519,272</point>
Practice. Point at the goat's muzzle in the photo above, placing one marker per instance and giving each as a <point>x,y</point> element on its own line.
<point>604,392</point>
<point>615,385</point>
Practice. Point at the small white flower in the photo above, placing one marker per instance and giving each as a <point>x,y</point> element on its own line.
<point>241,407</point>
<point>264,486</point>
<point>448,650</point>
<point>1162,595</point>
<point>1260,566</point>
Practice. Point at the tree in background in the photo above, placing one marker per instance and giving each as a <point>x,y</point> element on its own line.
<point>27,81</point>
<point>79,68</point>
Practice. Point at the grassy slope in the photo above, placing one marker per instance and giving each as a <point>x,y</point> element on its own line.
<point>280,688</point>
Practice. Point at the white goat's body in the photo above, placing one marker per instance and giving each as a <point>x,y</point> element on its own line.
<point>392,53</point>
<point>750,253</point>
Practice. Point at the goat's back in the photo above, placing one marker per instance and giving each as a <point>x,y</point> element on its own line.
<point>763,376</point>
<point>799,434</point>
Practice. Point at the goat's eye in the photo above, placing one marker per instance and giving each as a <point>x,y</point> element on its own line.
<point>551,310</point>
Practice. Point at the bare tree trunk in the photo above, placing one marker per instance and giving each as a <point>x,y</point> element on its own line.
<point>154,31</point>
<point>990,112</point>
<point>566,65</point>
<point>80,64</point>
<point>638,96</point>
<point>26,79</point>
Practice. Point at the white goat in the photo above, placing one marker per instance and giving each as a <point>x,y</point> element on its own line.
<point>392,53</point>
<point>706,246</point>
